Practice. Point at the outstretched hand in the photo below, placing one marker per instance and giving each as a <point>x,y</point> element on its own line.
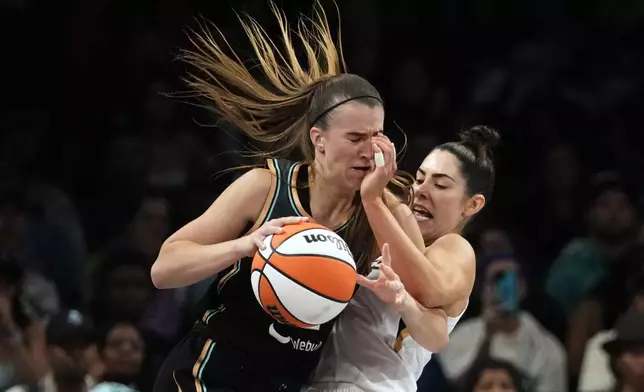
<point>388,287</point>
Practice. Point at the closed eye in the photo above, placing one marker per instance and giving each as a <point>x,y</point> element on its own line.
<point>439,186</point>
<point>420,180</point>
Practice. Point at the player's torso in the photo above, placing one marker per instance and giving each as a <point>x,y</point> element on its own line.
<point>361,353</point>
<point>233,311</point>
<point>369,349</point>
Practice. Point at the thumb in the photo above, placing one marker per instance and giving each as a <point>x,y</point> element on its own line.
<point>364,282</point>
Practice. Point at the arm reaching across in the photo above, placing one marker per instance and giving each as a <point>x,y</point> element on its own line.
<point>210,243</point>
<point>428,327</point>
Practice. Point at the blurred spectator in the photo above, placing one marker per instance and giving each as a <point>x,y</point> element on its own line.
<point>122,351</point>
<point>39,246</point>
<point>124,293</point>
<point>504,331</point>
<point>147,225</point>
<point>496,243</point>
<point>71,355</point>
<point>123,287</point>
<point>624,289</point>
<point>586,261</point>
<point>557,217</point>
<point>626,351</point>
<point>22,331</point>
<point>495,376</point>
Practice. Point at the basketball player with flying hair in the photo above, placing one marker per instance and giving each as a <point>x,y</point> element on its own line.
<point>331,123</point>
<point>365,352</point>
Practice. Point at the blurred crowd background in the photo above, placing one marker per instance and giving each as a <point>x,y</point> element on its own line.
<point>98,165</point>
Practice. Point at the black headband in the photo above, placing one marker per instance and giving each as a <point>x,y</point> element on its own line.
<point>319,116</point>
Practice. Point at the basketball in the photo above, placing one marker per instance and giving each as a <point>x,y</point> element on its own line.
<point>306,275</point>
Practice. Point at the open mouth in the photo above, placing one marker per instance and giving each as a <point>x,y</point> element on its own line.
<point>421,213</point>
<point>363,169</point>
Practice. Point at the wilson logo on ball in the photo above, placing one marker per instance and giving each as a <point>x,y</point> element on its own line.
<point>305,276</point>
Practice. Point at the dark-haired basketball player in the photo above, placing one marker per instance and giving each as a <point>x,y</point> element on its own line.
<point>365,352</point>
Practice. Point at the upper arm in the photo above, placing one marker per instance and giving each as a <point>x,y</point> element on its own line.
<point>455,258</point>
<point>242,203</point>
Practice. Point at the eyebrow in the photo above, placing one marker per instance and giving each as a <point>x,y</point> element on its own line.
<point>364,133</point>
<point>436,175</point>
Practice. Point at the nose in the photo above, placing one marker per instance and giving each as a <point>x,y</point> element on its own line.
<point>366,150</point>
<point>420,191</point>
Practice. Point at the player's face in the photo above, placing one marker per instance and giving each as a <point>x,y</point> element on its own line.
<point>441,204</point>
<point>343,151</point>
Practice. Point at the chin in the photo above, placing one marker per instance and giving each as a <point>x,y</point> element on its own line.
<point>354,184</point>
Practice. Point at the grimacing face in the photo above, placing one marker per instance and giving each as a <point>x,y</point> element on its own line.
<point>343,151</point>
<point>441,204</point>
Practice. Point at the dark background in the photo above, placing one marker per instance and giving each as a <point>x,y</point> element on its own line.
<point>96,159</point>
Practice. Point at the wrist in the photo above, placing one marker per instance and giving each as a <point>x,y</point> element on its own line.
<point>408,307</point>
<point>372,202</point>
<point>239,249</point>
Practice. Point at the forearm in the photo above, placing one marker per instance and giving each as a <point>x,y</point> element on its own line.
<point>421,278</point>
<point>428,327</point>
<point>182,263</point>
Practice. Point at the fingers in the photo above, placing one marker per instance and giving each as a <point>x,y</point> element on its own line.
<point>382,144</point>
<point>364,282</point>
<point>386,256</point>
<point>259,243</point>
<point>395,285</point>
<point>389,273</point>
<point>267,230</point>
<point>288,220</point>
<point>378,155</point>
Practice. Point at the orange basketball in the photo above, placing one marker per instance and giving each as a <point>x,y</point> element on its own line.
<point>305,276</point>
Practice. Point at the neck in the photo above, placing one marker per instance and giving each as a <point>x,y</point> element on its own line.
<point>330,205</point>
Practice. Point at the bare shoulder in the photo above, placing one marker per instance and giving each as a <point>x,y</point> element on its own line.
<point>454,243</point>
<point>454,250</point>
<point>239,206</point>
<point>257,179</point>
<point>247,194</point>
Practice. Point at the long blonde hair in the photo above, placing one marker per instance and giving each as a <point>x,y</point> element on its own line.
<point>279,111</point>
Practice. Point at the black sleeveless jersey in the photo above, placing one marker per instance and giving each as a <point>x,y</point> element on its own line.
<point>234,313</point>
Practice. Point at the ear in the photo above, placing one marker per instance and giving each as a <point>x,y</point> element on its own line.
<point>317,139</point>
<point>474,205</point>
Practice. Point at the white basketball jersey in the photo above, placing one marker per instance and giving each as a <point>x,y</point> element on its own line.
<point>365,353</point>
